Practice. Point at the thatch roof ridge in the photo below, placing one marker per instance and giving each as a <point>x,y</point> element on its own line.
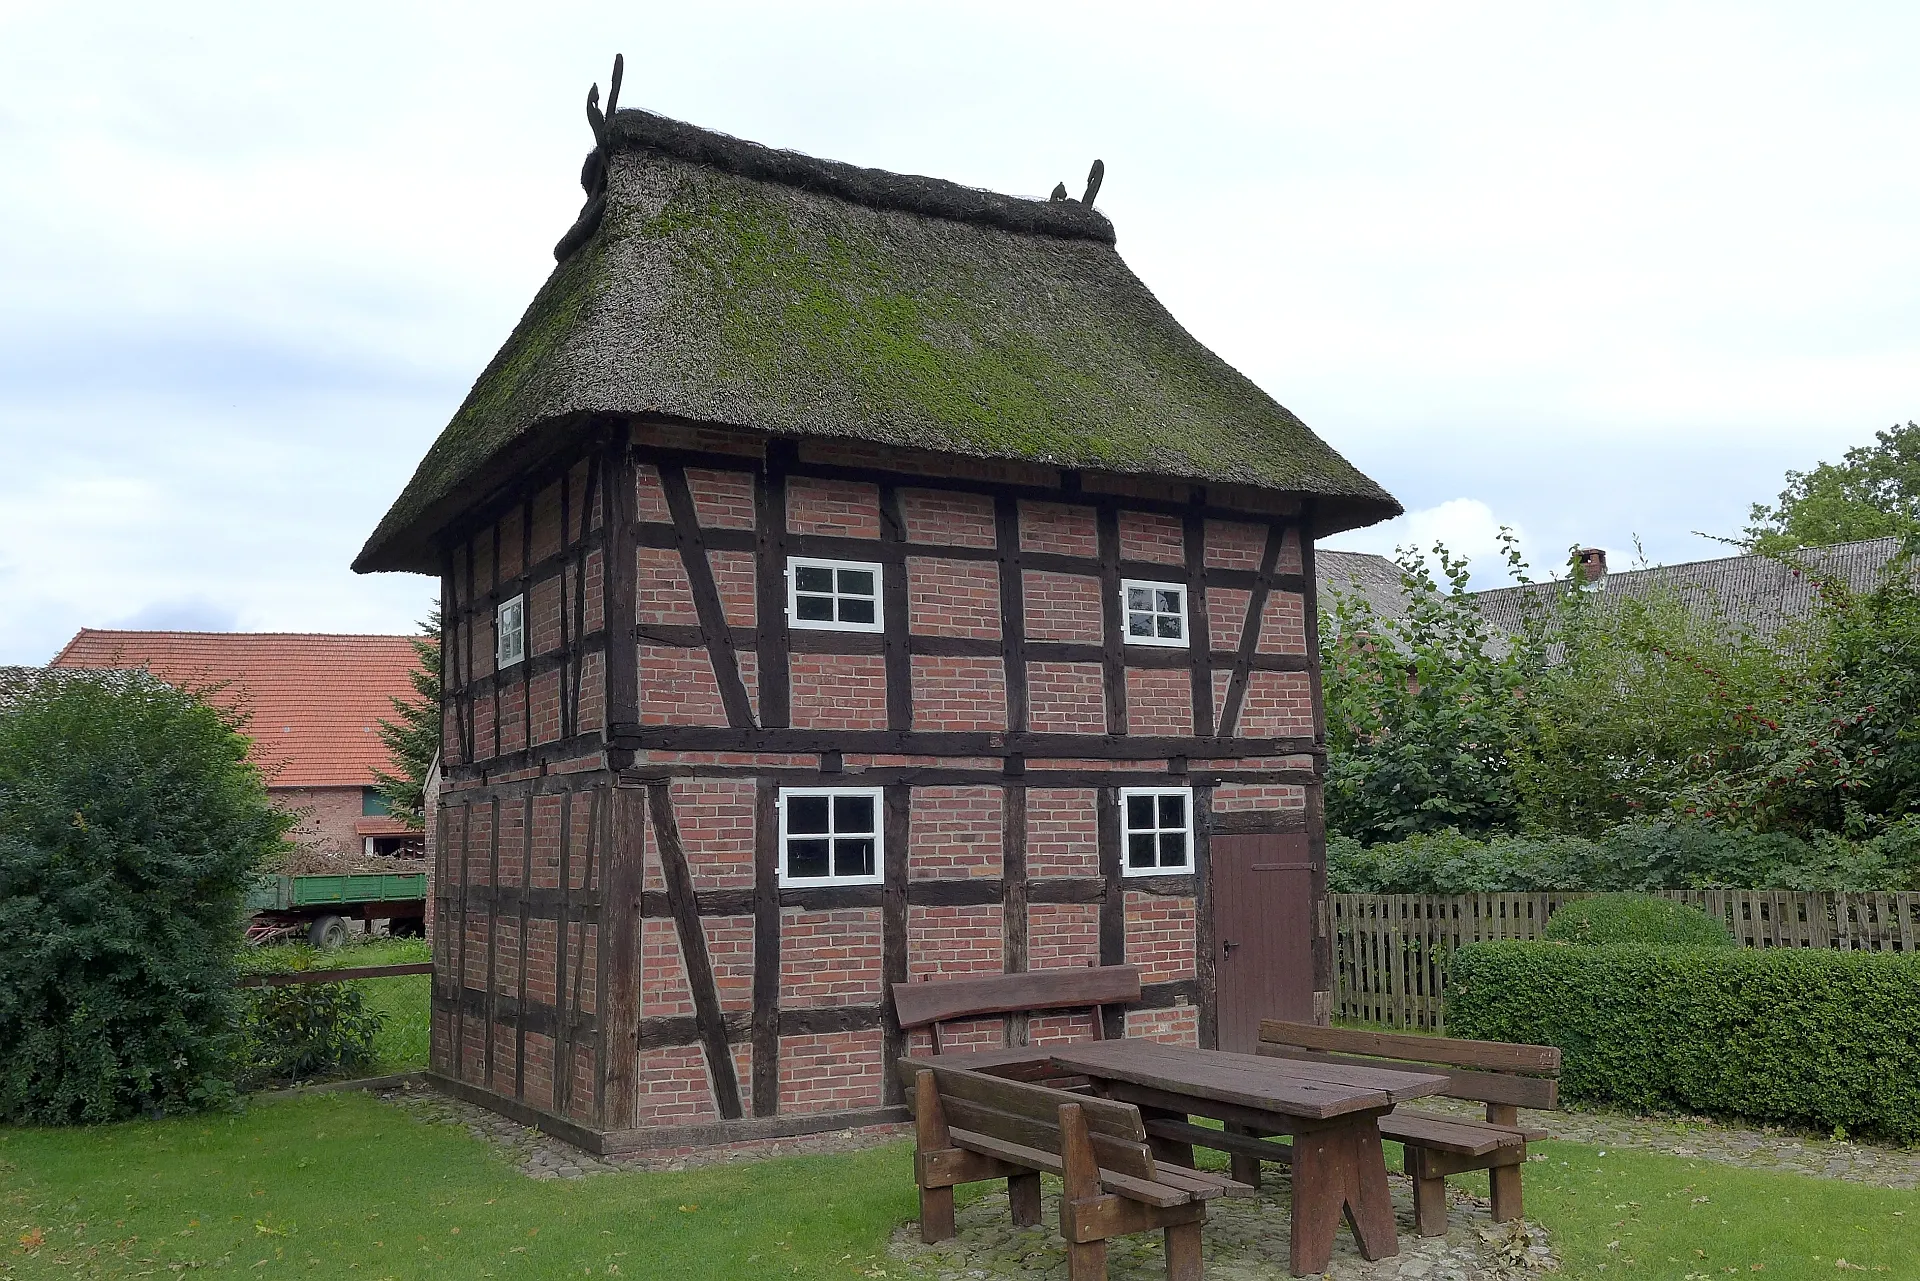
<point>632,129</point>
<point>731,284</point>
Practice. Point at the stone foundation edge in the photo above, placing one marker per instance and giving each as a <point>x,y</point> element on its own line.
<point>703,1135</point>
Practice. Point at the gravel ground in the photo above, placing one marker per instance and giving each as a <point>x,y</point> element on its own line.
<point>1245,1239</point>
<point>1764,1148</point>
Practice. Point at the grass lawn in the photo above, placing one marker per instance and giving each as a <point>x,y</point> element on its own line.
<point>342,1185</point>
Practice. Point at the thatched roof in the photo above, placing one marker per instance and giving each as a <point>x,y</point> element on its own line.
<point>731,283</point>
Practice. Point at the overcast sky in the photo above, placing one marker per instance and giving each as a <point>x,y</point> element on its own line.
<point>1601,272</point>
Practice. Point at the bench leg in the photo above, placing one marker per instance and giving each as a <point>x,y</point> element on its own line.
<point>1245,1169</point>
<point>1087,1261</point>
<point>936,1214</point>
<point>1183,1252</point>
<point>1429,1195</point>
<point>1023,1195</point>
<point>1506,1192</point>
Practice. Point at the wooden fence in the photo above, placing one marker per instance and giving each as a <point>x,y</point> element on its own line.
<point>1391,950</point>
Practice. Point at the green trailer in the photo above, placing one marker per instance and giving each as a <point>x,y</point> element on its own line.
<point>322,905</point>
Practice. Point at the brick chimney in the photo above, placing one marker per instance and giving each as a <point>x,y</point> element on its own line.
<point>1592,563</point>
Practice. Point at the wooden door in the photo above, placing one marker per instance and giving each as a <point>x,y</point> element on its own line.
<point>1262,932</point>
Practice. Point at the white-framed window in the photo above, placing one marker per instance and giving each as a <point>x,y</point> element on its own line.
<point>510,631</point>
<point>834,595</point>
<point>830,836</point>
<point>1154,613</point>
<point>1156,830</point>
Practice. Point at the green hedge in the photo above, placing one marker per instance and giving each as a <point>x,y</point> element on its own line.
<point>1806,1037</point>
<point>1635,918</point>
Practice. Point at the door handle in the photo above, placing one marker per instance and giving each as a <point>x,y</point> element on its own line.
<point>1228,946</point>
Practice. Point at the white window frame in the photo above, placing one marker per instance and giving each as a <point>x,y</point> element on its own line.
<point>502,658</point>
<point>1126,631</point>
<point>1126,864</point>
<point>795,563</point>
<point>876,795</point>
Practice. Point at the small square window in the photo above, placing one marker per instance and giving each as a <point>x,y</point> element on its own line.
<point>510,632</point>
<point>834,595</point>
<point>830,836</point>
<point>1156,830</point>
<point>1155,613</point>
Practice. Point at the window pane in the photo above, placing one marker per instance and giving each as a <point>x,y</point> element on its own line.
<point>1139,598</point>
<point>1140,851</point>
<point>1139,624</point>
<point>817,609</point>
<point>853,858</point>
<point>806,858</point>
<point>807,814</point>
<point>1173,811</point>
<point>853,814</point>
<point>1167,600</point>
<point>1170,626</point>
<point>1173,849</point>
<point>813,578</point>
<point>858,582</point>
<point>1139,813</point>
<point>855,610</point>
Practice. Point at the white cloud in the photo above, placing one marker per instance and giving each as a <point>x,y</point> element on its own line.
<point>1463,526</point>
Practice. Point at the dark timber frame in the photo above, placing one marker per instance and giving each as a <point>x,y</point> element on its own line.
<point>612,779</point>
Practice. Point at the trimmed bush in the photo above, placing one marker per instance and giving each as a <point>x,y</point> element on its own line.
<point>1796,1036</point>
<point>1636,918</point>
<point>130,821</point>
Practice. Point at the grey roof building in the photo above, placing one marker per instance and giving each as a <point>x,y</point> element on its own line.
<point>1759,594</point>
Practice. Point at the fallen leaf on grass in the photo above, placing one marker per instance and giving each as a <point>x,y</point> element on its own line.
<point>33,1239</point>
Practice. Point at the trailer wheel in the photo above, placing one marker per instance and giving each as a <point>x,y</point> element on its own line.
<point>328,932</point>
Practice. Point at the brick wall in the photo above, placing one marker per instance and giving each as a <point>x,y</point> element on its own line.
<point>953,597</point>
<point>848,508</point>
<point>1278,705</point>
<point>830,1072</point>
<point>1062,606</point>
<point>1065,698</point>
<point>839,691</point>
<point>939,516</point>
<point>1062,832</point>
<point>1160,936</point>
<point>327,816</point>
<point>959,694</point>
<point>955,832</point>
<point>829,958</point>
<point>944,941</point>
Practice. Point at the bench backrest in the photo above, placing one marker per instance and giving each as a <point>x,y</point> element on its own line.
<point>1497,1072</point>
<point>1029,1115</point>
<point>937,1001</point>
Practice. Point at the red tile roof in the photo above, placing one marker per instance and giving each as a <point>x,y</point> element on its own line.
<point>314,700</point>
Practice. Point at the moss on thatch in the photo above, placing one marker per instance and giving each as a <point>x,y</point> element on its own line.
<point>732,284</point>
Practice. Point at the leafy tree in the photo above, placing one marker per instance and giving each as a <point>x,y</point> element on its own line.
<point>414,739</point>
<point>1648,697</point>
<point>1421,710</point>
<point>1872,493</point>
<point>130,820</point>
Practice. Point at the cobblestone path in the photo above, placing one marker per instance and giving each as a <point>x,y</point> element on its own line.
<point>1245,1240</point>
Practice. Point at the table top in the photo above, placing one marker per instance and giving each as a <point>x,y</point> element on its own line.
<point>1289,1087</point>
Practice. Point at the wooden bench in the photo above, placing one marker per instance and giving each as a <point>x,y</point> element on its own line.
<point>970,1127</point>
<point>930,1003</point>
<point>1503,1076</point>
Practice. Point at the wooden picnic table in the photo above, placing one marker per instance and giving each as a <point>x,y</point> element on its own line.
<point>1331,1110</point>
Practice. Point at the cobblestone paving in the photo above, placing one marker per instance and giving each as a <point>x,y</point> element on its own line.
<point>1766,1148</point>
<point>1245,1239</point>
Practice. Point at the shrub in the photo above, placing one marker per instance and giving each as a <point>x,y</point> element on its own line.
<point>129,823</point>
<point>1799,1036</point>
<point>1636,918</point>
<point>306,1030</point>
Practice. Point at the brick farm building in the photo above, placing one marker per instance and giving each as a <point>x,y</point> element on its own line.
<point>849,577</point>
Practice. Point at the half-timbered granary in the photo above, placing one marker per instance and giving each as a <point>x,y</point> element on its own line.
<point>849,577</point>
